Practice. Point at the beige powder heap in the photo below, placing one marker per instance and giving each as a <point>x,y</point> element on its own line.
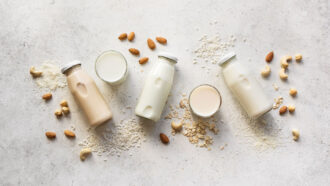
<point>52,77</point>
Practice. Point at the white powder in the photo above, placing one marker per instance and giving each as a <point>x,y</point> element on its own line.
<point>52,77</point>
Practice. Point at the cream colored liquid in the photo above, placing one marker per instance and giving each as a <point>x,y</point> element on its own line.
<point>88,96</point>
<point>205,100</point>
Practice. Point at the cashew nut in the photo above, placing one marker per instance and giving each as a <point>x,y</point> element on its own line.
<point>293,92</point>
<point>64,103</point>
<point>34,72</point>
<point>283,75</point>
<point>65,110</point>
<point>291,108</point>
<point>298,57</point>
<point>84,153</point>
<point>266,71</point>
<point>58,112</point>
<point>295,134</point>
<point>285,60</point>
<point>176,126</point>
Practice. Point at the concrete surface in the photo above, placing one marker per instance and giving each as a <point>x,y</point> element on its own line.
<point>34,31</point>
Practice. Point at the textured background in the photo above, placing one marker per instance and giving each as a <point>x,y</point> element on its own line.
<point>38,30</point>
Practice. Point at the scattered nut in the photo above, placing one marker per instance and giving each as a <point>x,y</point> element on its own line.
<point>283,110</point>
<point>164,138</point>
<point>291,108</point>
<point>34,72</point>
<point>47,96</point>
<point>295,134</point>
<point>269,56</point>
<point>143,60</point>
<point>64,103</point>
<point>151,44</point>
<point>131,36</point>
<point>285,60</point>
<point>293,92</point>
<point>266,71</point>
<point>176,126</point>
<point>122,36</point>
<point>134,51</point>
<point>50,135</point>
<point>69,133</point>
<point>298,57</point>
<point>181,104</point>
<point>65,110</point>
<point>58,112</point>
<point>84,153</point>
<point>283,75</point>
<point>161,40</point>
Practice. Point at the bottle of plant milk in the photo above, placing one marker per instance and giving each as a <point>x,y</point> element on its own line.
<point>85,91</point>
<point>246,88</point>
<point>157,88</point>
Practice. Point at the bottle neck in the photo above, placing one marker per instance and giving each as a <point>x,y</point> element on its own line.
<point>72,70</point>
<point>228,62</point>
<point>166,60</point>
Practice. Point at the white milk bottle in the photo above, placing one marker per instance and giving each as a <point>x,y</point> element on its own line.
<point>157,88</point>
<point>246,88</point>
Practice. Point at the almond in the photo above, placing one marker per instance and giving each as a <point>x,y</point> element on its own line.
<point>143,60</point>
<point>122,36</point>
<point>269,56</point>
<point>47,96</point>
<point>164,138</point>
<point>283,110</point>
<point>134,51</point>
<point>151,44</point>
<point>131,36</point>
<point>161,40</point>
<point>50,135</point>
<point>69,133</point>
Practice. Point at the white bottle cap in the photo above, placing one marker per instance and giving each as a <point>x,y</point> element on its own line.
<point>168,56</point>
<point>70,65</point>
<point>227,57</point>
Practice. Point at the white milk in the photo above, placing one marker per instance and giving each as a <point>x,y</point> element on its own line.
<point>156,88</point>
<point>246,88</point>
<point>111,67</point>
<point>205,100</point>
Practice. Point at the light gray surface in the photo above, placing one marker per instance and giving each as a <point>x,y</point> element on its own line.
<point>34,31</point>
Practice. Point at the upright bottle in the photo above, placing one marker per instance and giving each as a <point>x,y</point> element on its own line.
<point>246,88</point>
<point>86,93</point>
<point>157,88</point>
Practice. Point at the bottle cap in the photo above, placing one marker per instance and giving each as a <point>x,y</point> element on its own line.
<point>168,56</point>
<point>226,58</point>
<point>70,65</point>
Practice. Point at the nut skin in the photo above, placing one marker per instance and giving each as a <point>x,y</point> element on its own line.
<point>47,96</point>
<point>131,36</point>
<point>34,72</point>
<point>283,75</point>
<point>50,135</point>
<point>151,44</point>
<point>283,110</point>
<point>291,108</point>
<point>69,133</point>
<point>266,71</point>
<point>64,103</point>
<point>143,60</point>
<point>269,57</point>
<point>122,36</point>
<point>298,57</point>
<point>65,110</point>
<point>134,51</point>
<point>164,138</point>
<point>293,92</point>
<point>84,153</point>
<point>161,40</point>
<point>295,134</point>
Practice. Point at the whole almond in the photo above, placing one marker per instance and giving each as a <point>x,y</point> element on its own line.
<point>143,60</point>
<point>47,96</point>
<point>69,133</point>
<point>269,56</point>
<point>283,110</point>
<point>50,135</point>
<point>131,36</point>
<point>164,138</point>
<point>122,36</point>
<point>161,40</point>
<point>134,51</point>
<point>151,44</point>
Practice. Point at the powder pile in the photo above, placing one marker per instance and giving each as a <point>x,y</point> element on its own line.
<point>52,77</point>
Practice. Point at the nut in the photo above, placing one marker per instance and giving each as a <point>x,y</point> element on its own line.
<point>69,133</point>
<point>65,110</point>
<point>269,56</point>
<point>84,153</point>
<point>122,36</point>
<point>131,36</point>
<point>50,135</point>
<point>293,92</point>
<point>285,60</point>
<point>291,108</point>
<point>34,72</point>
<point>58,112</point>
<point>283,110</point>
<point>295,134</point>
<point>47,96</point>
<point>134,51</point>
<point>64,103</point>
<point>151,44</point>
<point>176,126</point>
<point>283,75</point>
<point>161,40</point>
<point>266,71</point>
<point>164,138</point>
<point>143,60</point>
<point>298,57</point>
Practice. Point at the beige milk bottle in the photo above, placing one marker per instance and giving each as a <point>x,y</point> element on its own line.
<point>246,88</point>
<point>157,88</point>
<point>87,94</point>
